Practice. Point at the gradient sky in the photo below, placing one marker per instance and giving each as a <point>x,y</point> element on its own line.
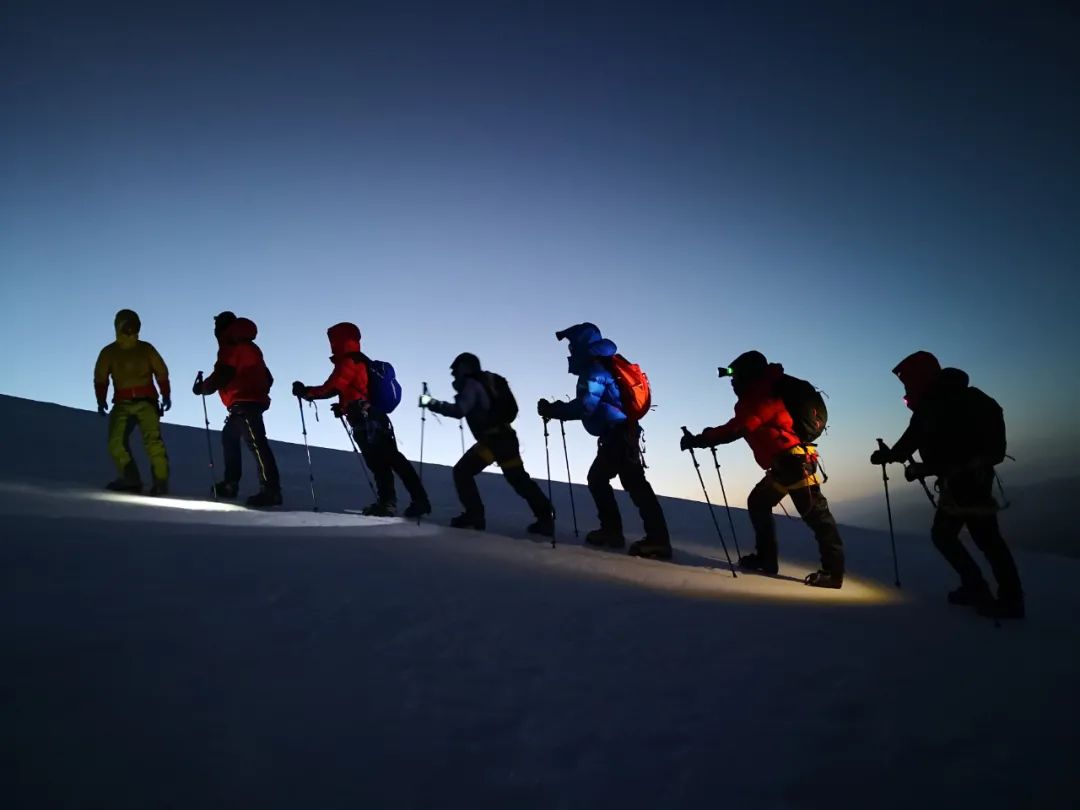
<point>835,184</point>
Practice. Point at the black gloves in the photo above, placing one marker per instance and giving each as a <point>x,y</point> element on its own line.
<point>299,389</point>
<point>881,456</point>
<point>102,408</point>
<point>545,408</point>
<point>335,409</point>
<point>166,403</point>
<point>689,440</point>
<point>916,471</point>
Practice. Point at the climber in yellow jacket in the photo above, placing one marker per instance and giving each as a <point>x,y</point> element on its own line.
<point>133,365</point>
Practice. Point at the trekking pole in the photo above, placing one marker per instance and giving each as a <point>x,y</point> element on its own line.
<point>712,512</point>
<point>547,458</point>
<point>363,461</point>
<point>925,488</point>
<point>311,473</point>
<point>570,486</point>
<point>423,424</point>
<point>723,491</point>
<point>209,445</point>
<point>461,432</point>
<point>888,506</point>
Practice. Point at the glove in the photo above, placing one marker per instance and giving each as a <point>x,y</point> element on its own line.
<point>102,408</point>
<point>689,440</point>
<point>545,408</point>
<point>425,400</point>
<point>166,403</point>
<point>196,387</point>
<point>299,389</point>
<point>915,470</point>
<point>881,457</point>
<point>335,409</point>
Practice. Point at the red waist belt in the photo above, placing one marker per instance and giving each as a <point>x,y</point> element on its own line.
<point>139,392</point>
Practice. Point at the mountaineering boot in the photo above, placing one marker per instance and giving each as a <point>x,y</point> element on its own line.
<point>755,562</point>
<point>970,595</point>
<point>467,520</point>
<point>129,480</point>
<point>651,549</point>
<point>824,579</point>
<point>605,538</point>
<point>1003,608</point>
<point>226,489</point>
<point>265,497</point>
<point>160,487</point>
<point>544,526</point>
<point>418,509</point>
<point>380,509</point>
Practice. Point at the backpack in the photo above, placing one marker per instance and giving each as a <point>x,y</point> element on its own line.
<point>805,405</point>
<point>504,408</point>
<point>633,387</point>
<point>384,391</point>
<point>987,422</point>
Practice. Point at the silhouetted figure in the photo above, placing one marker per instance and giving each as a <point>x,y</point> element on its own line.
<point>484,400</point>
<point>790,464</point>
<point>959,433</point>
<point>243,381</point>
<point>372,428</point>
<point>600,408</point>
<point>133,365</point>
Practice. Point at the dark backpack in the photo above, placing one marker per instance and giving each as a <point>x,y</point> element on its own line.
<point>504,408</point>
<point>987,422</point>
<point>806,406</point>
<point>384,391</point>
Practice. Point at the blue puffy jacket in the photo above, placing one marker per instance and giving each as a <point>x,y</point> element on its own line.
<point>599,403</point>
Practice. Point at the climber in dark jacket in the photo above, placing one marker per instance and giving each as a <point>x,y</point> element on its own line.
<point>959,433</point>
<point>484,401</point>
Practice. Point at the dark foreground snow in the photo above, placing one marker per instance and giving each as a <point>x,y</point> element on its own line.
<point>183,655</point>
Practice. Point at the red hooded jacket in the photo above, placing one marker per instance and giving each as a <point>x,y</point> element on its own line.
<point>349,379</point>
<point>761,414</point>
<point>240,373</point>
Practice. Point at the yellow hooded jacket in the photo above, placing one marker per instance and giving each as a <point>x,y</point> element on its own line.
<point>132,363</point>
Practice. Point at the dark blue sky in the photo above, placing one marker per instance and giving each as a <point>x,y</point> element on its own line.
<point>836,184</point>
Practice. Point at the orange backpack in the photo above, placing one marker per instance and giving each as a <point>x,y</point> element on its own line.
<point>633,387</point>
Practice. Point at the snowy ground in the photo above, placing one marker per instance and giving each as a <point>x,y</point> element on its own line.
<point>184,654</point>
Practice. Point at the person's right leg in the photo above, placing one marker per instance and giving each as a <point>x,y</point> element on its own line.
<point>476,460</point>
<point>121,424</point>
<point>945,534</point>
<point>601,472</point>
<point>762,500</point>
<point>229,486</point>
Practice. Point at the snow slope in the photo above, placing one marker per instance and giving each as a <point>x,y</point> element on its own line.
<point>179,653</point>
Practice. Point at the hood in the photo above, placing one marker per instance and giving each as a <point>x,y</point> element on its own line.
<point>580,336</point>
<point>221,322</point>
<point>344,339</point>
<point>917,372</point>
<point>582,356</point>
<point>762,382</point>
<point>465,364</point>
<point>127,324</point>
<point>242,330</point>
<point>749,365</point>
<point>953,379</point>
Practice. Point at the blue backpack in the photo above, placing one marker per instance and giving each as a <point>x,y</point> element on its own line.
<point>384,391</point>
